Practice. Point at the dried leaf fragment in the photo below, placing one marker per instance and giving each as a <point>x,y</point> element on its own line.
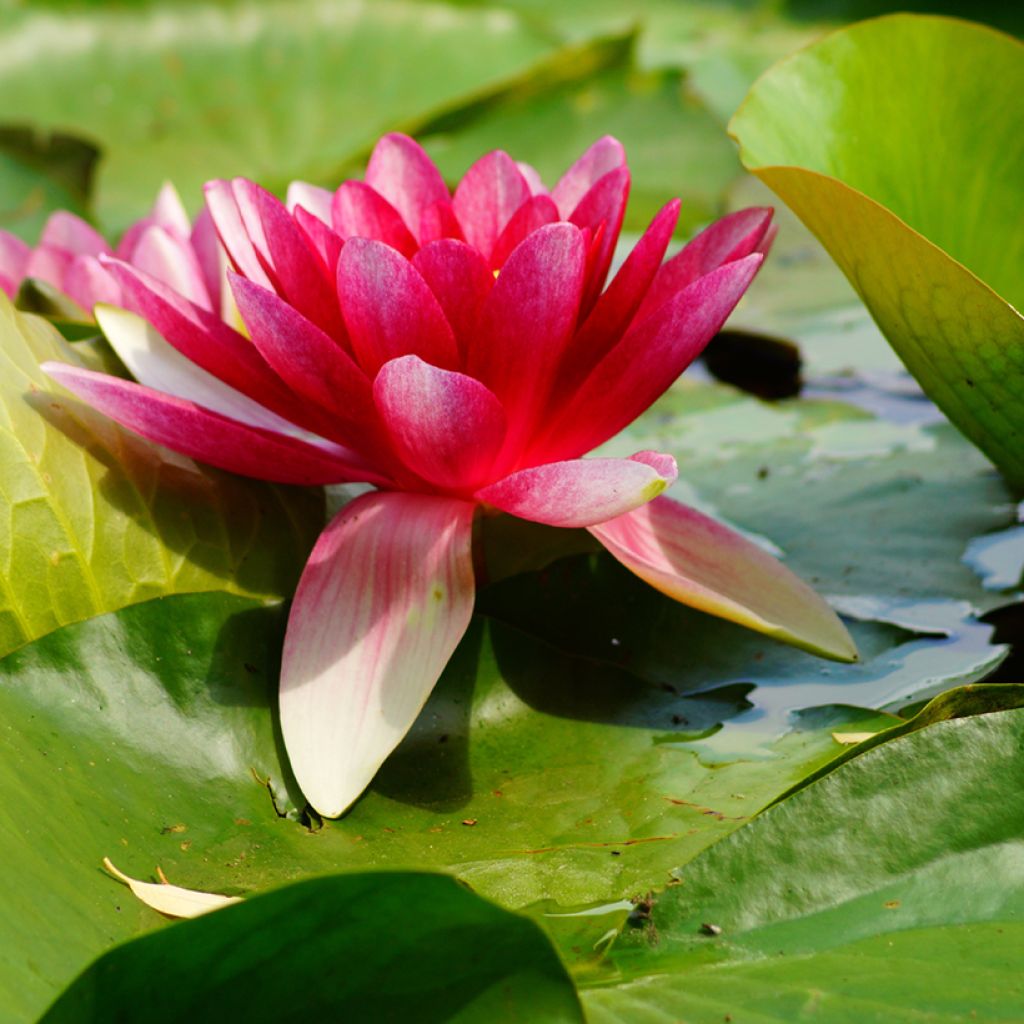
<point>172,900</point>
<point>849,738</point>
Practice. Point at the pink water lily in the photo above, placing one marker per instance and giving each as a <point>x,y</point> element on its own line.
<point>459,352</point>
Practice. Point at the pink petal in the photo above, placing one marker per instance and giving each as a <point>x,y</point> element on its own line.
<point>487,197</point>
<point>602,209</point>
<point>384,600</point>
<point>526,322</point>
<point>532,178</point>
<point>49,264</point>
<point>731,238</point>
<point>173,262</point>
<point>533,214</point>
<point>88,282</point>
<point>617,306</point>
<point>311,364</point>
<point>461,282</point>
<point>447,427</point>
<point>389,310</point>
<point>65,231</point>
<point>406,177</point>
<point>582,492</point>
<point>14,255</point>
<point>208,436</point>
<point>234,233</point>
<point>169,212</point>
<point>702,563</point>
<point>646,362</point>
<point>314,200</point>
<point>603,156</point>
<point>439,221</point>
<point>360,212</point>
<point>324,241</point>
<point>212,258</point>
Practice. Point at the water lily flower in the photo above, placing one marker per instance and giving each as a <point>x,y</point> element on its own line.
<point>459,352</point>
<point>165,244</point>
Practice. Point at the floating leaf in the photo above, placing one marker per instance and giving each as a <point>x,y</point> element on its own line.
<point>917,200</point>
<point>171,900</point>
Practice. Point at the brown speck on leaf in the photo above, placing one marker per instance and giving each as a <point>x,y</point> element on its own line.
<point>169,829</point>
<point>469,821</point>
<point>497,792</point>
<point>186,846</point>
<point>386,829</point>
<point>762,473</point>
<point>710,929</point>
<point>616,853</point>
<point>242,821</point>
<point>443,738</point>
<point>891,904</point>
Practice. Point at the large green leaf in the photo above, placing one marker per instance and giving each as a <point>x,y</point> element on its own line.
<point>891,890</point>
<point>386,947</point>
<point>273,91</point>
<point>916,199</point>
<point>92,518</point>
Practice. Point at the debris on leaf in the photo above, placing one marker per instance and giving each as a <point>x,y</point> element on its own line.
<point>172,900</point>
<point>849,738</point>
<point>710,929</point>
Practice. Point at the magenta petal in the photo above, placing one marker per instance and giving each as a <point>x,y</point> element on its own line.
<point>316,201</point>
<point>645,363</point>
<point>584,491</point>
<point>532,177</point>
<point>447,427</point>
<point>64,230</point>
<point>603,156</point>
<point>389,310</point>
<point>88,282</point>
<point>210,255</point>
<point>526,322</point>
<point>324,241</point>
<point>172,261</point>
<point>400,170</point>
<point>208,436</point>
<point>359,211</point>
<point>384,600</point>
<point>731,238</point>
<point>311,364</point>
<point>439,221</point>
<point>533,214</point>
<point>49,265</point>
<point>461,282</point>
<point>487,197</point>
<point>602,209</point>
<point>14,254</point>
<point>234,232</point>
<point>702,563</point>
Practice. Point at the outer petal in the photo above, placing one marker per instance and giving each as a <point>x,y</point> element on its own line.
<point>207,436</point>
<point>602,210</point>
<point>487,197</point>
<point>400,170</point>
<point>384,600</point>
<point>603,156</point>
<point>533,214</point>
<point>702,563</point>
<point>213,260</point>
<point>14,254</point>
<point>87,281</point>
<point>358,211</point>
<point>731,238</point>
<point>172,261</point>
<point>461,282</point>
<point>324,241</point>
<point>310,197</point>
<point>389,310</point>
<point>49,265</point>
<point>233,232</point>
<point>446,426</point>
<point>584,491</point>
<point>646,362</point>
<point>64,230</point>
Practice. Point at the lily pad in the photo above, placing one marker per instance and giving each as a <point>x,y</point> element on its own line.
<point>872,895</point>
<point>302,953</point>
<point>93,518</point>
<point>916,200</point>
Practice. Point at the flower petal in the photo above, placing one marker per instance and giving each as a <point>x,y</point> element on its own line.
<point>173,262</point>
<point>526,323</point>
<point>582,492</point>
<point>311,198</point>
<point>487,197</point>
<point>603,156</point>
<point>533,214</point>
<point>383,602</point>
<point>213,261</point>
<point>359,211</point>
<point>602,209</point>
<point>49,264</point>
<point>400,170</point>
<point>157,364</point>
<point>439,221</point>
<point>65,231</point>
<point>645,362</point>
<point>14,254</point>
<point>88,282</point>
<point>447,427</point>
<point>461,282</point>
<point>208,436</point>
<point>233,232</point>
<point>324,241</point>
<point>702,563</point>
<point>731,238</point>
<point>389,309</point>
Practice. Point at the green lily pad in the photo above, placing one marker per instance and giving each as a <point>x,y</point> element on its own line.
<point>916,200</point>
<point>94,518</point>
<point>888,891</point>
<point>273,91</point>
<point>394,947</point>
